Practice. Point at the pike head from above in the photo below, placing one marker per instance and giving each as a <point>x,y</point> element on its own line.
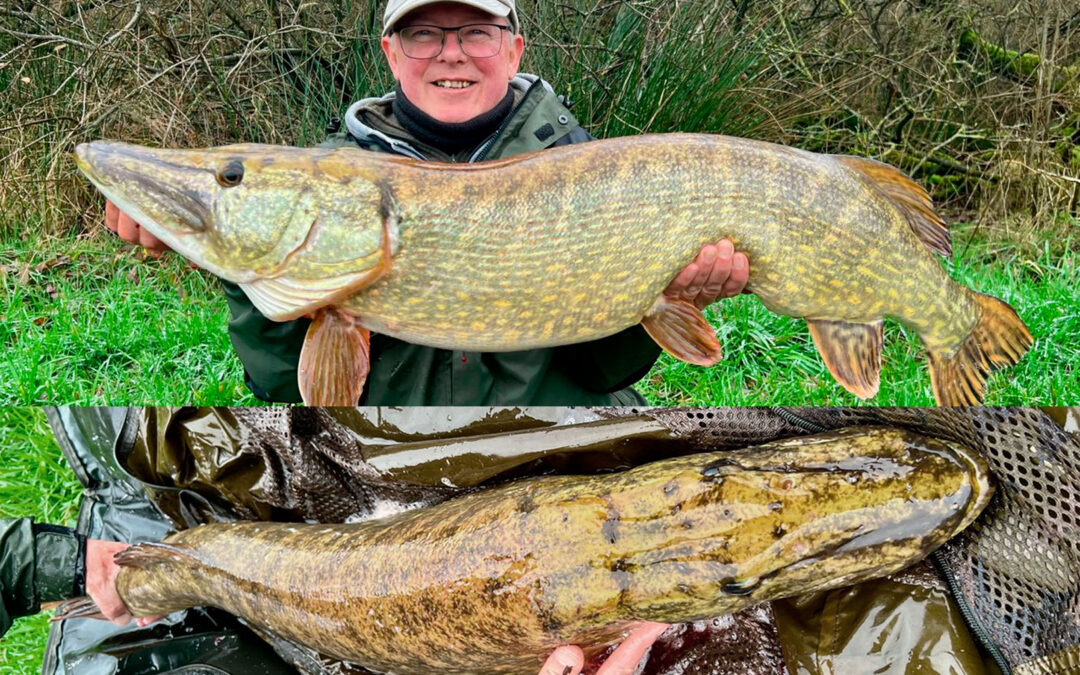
<point>297,229</point>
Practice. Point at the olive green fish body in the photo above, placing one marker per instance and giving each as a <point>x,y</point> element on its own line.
<point>563,246</point>
<point>533,252</point>
<point>493,581</point>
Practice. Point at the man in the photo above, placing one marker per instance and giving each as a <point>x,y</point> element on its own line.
<point>460,98</point>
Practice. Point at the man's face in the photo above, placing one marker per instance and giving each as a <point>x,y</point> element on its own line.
<point>421,78</point>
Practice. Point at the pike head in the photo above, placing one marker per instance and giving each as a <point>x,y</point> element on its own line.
<point>297,229</point>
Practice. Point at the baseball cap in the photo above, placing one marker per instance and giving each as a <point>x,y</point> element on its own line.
<point>395,9</point>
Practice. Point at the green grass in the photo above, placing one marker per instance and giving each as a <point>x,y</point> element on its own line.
<point>102,324</point>
<point>34,481</point>
<point>87,320</point>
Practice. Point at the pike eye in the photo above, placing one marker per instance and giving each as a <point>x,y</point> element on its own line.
<point>231,174</point>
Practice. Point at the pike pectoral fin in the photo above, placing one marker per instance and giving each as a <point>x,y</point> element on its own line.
<point>334,359</point>
<point>852,352</point>
<point>285,298</point>
<point>681,329</point>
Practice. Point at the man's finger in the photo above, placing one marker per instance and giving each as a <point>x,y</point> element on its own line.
<point>718,274</point>
<point>626,657</point>
<point>122,620</point>
<point>740,274</point>
<point>565,660</point>
<point>705,259</point>
<point>127,228</point>
<point>112,213</point>
<point>144,621</point>
<point>150,242</point>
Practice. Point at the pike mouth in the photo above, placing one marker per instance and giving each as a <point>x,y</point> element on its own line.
<point>187,206</point>
<point>101,162</point>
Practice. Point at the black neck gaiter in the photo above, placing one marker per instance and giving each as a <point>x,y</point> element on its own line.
<point>450,137</point>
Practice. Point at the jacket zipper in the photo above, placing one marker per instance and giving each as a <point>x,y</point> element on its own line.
<point>481,152</point>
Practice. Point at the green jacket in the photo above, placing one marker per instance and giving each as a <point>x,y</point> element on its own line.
<point>591,373</point>
<point>38,563</point>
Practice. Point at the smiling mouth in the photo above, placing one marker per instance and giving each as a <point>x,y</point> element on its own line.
<point>453,84</point>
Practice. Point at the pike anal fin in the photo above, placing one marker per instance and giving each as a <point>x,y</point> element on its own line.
<point>334,360</point>
<point>852,353</point>
<point>681,329</point>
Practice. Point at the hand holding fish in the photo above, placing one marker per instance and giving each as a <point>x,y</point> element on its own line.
<point>130,231</point>
<point>717,272</point>
<point>101,571</point>
<point>569,659</point>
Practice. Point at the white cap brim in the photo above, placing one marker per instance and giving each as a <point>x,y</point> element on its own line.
<point>493,7</point>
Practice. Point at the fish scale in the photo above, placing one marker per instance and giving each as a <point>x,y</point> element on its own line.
<point>566,245</point>
<point>492,581</point>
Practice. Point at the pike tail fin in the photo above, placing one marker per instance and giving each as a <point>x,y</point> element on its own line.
<point>997,341</point>
<point>82,607</point>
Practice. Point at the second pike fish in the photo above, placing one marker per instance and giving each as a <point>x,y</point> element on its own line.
<point>565,245</point>
<point>493,581</point>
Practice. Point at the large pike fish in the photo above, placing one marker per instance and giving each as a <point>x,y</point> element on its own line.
<point>492,581</point>
<point>565,245</point>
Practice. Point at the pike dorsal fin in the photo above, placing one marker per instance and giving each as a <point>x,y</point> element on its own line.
<point>909,197</point>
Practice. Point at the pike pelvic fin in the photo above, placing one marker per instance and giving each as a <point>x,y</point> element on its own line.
<point>334,360</point>
<point>907,196</point>
<point>681,330</point>
<point>998,340</point>
<point>852,353</point>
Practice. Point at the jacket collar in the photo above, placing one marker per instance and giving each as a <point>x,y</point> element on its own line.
<point>371,121</point>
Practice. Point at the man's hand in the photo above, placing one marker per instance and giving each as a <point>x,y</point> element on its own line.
<point>569,660</point>
<point>101,573</point>
<point>123,225</point>
<point>717,272</point>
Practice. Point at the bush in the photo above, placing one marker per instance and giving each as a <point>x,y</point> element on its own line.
<point>979,99</point>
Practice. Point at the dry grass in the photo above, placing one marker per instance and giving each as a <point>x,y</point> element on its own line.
<point>994,134</point>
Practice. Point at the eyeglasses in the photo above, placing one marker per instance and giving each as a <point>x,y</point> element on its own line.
<point>478,40</point>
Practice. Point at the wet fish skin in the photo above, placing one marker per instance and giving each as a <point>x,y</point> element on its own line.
<point>492,581</point>
<point>562,246</point>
